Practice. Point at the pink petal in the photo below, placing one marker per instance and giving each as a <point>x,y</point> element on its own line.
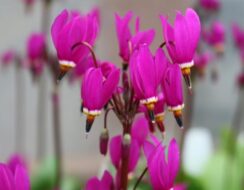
<point>140,130</point>
<point>6,178</point>
<point>172,86</point>
<point>109,85</point>
<point>107,181</point>
<point>58,25</point>
<point>21,178</point>
<point>92,184</point>
<point>115,150</point>
<point>142,37</point>
<point>91,89</point>
<point>14,161</point>
<point>134,155</point>
<point>173,160</point>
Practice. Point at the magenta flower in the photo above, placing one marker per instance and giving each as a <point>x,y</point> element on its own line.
<point>36,49</point>
<point>201,61</point>
<point>11,180</point>
<point>173,91</point>
<point>210,5</point>
<point>96,91</point>
<point>162,170</point>
<point>106,183</point>
<point>182,40</point>
<point>146,74</point>
<point>215,36</point>
<point>127,42</point>
<point>68,30</point>
<point>238,35</point>
<point>8,56</point>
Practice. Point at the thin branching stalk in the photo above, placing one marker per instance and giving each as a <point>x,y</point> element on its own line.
<point>20,109</point>
<point>140,178</point>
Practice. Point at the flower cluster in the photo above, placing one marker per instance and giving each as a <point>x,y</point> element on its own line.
<point>213,35</point>
<point>150,81</point>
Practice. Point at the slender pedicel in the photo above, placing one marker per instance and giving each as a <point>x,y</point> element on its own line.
<point>150,108</point>
<point>90,49</point>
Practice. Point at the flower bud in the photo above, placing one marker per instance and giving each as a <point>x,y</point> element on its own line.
<point>104,138</point>
<point>126,145</point>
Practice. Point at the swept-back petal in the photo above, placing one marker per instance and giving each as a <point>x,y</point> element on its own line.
<point>22,181</point>
<point>6,178</point>
<point>140,130</point>
<point>58,25</point>
<point>92,184</point>
<point>115,150</point>
<point>173,160</point>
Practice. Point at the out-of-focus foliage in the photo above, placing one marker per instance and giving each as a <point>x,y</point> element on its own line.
<point>45,177</point>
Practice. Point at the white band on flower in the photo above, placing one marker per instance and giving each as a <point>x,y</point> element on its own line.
<point>67,63</point>
<point>186,65</point>
<point>91,112</point>
<point>176,108</point>
<point>149,100</point>
<point>160,114</point>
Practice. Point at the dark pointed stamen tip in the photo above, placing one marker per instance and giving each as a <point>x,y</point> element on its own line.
<point>125,66</point>
<point>187,79</point>
<point>88,125</point>
<point>151,116</point>
<point>81,108</point>
<point>179,121</point>
<point>61,75</point>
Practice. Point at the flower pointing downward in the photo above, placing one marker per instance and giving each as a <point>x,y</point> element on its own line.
<point>96,91</point>
<point>69,29</point>
<point>162,170</point>
<point>182,40</point>
<point>146,75</point>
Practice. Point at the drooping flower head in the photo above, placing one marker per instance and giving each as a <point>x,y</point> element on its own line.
<point>201,61</point>
<point>210,5</point>
<point>36,49</point>
<point>215,36</point>
<point>73,34</point>
<point>238,35</point>
<point>96,90</point>
<point>182,40</point>
<point>8,56</point>
<point>14,178</point>
<point>127,41</point>
<point>173,91</point>
<point>146,74</point>
<point>162,170</point>
<point>106,182</point>
<point>28,3</point>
